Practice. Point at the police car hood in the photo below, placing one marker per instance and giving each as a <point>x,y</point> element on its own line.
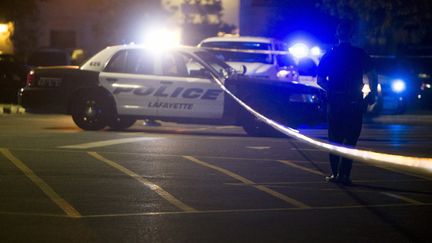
<point>256,69</point>
<point>262,83</point>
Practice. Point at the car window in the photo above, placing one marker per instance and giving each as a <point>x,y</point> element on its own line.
<point>194,68</point>
<point>232,56</point>
<point>140,62</point>
<point>285,60</point>
<point>117,63</point>
<point>132,61</point>
<point>173,64</point>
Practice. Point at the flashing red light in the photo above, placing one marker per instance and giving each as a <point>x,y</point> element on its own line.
<point>30,79</point>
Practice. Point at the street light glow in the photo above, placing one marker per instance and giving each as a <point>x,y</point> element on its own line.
<point>4,28</point>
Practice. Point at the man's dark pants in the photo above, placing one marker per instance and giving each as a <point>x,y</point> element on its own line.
<point>345,121</point>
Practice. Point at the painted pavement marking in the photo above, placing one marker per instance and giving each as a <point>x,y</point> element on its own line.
<point>403,198</point>
<point>223,211</point>
<point>249,182</point>
<point>258,147</point>
<point>43,186</point>
<point>294,165</point>
<point>316,172</point>
<point>106,143</point>
<point>159,190</point>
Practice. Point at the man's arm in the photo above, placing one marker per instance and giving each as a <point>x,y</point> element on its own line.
<point>373,81</point>
<point>322,72</point>
<point>373,85</point>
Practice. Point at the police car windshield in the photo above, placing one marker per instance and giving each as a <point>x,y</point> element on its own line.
<point>231,55</point>
<point>222,68</point>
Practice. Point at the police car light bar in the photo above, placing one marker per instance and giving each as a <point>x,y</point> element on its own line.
<point>299,50</point>
<point>316,51</point>
<point>162,38</point>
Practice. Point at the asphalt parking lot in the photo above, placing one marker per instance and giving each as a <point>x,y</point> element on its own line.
<point>187,183</point>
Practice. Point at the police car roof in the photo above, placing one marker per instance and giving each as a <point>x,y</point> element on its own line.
<point>139,46</point>
<point>239,39</point>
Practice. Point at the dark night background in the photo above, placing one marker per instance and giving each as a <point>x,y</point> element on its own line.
<point>383,27</point>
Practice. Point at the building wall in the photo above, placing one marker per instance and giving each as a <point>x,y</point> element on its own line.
<point>231,10</point>
<point>83,24</point>
<point>66,16</point>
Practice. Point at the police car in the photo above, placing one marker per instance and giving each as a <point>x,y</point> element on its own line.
<point>124,83</point>
<point>269,58</point>
<point>262,57</point>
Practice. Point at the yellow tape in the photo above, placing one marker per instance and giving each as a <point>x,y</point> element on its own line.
<point>418,163</point>
<point>248,51</point>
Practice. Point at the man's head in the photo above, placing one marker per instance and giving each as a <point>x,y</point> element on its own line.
<point>345,30</point>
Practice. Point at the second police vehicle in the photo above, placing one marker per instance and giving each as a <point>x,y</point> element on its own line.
<point>266,57</point>
<point>124,83</point>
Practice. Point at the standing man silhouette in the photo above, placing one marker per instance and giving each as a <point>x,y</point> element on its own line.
<point>340,73</point>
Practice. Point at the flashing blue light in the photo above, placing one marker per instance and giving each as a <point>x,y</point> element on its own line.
<point>316,51</point>
<point>398,85</point>
<point>299,50</point>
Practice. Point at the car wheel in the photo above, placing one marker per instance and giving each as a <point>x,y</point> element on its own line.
<point>121,123</point>
<point>90,111</point>
<point>255,127</point>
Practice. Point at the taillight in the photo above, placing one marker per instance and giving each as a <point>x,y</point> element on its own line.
<point>30,79</point>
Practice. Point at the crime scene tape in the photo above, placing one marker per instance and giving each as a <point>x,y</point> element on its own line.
<point>289,53</point>
<point>418,163</point>
<point>248,50</point>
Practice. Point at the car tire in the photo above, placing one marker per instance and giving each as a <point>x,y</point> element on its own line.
<point>257,128</point>
<point>121,123</point>
<point>90,111</point>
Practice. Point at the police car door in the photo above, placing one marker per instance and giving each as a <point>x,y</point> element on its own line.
<point>188,89</point>
<point>129,76</point>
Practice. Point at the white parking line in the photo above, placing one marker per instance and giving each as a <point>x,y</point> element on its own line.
<point>258,147</point>
<point>294,165</point>
<point>216,211</point>
<point>42,185</point>
<point>403,198</point>
<point>157,189</point>
<point>258,210</point>
<point>238,177</point>
<point>105,143</point>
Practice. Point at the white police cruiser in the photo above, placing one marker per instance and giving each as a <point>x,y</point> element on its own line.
<point>124,83</point>
<point>262,57</point>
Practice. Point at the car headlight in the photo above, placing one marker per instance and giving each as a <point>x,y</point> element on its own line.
<point>398,86</point>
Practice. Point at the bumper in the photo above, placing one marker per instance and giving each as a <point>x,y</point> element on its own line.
<point>42,100</point>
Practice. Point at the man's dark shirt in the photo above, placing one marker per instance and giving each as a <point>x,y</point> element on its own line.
<point>344,66</point>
